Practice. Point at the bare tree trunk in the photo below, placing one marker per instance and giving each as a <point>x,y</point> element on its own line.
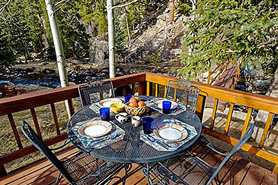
<point>111,39</point>
<point>58,47</point>
<point>127,28</point>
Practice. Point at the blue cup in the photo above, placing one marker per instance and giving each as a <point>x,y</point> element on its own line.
<point>105,113</point>
<point>166,106</point>
<point>127,97</point>
<point>147,124</point>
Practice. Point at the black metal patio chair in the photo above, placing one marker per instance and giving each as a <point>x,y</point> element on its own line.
<point>95,91</point>
<point>183,92</point>
<point>192,169</point>
<point>80,169</point>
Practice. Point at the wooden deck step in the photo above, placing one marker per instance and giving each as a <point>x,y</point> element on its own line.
<point>242,173</point>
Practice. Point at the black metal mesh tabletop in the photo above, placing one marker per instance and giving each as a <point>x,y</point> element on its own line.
<point>131,149</point>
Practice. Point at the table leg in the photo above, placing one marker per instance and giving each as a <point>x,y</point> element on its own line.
<point>148,175</point>
<point>147,171</point>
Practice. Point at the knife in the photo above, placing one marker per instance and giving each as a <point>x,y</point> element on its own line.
<point>152,139</point>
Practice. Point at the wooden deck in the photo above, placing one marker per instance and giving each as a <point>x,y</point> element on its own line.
<point>242,173</point>
<point>144,84</point>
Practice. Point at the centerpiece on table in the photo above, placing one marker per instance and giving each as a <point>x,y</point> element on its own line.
<point>135,107</point>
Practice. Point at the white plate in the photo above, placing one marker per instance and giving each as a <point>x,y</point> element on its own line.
<point>170,133</point>
<point>174,105</point>
<point>95,128</point>
<point>109,101</point>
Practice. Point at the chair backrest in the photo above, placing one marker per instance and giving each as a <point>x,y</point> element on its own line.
<point>240,143</point>
<point>183,92</point>
<point>39,144</point>
<point>95,91</point>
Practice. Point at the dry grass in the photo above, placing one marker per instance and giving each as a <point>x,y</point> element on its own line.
<point>8,143</point>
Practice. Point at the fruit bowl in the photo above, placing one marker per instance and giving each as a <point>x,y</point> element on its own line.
<point>135,111</point>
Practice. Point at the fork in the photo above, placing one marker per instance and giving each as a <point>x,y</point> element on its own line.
<point>152,139</point>
<point>112,136</point>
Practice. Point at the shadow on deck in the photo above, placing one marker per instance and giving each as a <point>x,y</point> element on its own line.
<point>242,172</point>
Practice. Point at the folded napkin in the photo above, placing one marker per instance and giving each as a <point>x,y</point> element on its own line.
<point>116,134</point>
<point>153,104</point>
<point>162,145</point>
<point>95,107</point>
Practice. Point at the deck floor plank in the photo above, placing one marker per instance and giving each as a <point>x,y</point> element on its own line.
<point>242,173</point>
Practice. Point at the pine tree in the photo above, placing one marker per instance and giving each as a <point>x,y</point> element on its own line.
<point>229,29</point>
<point>7,56</point>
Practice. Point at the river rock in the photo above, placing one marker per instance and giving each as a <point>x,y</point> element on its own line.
<point>48,71</point>
<point>260,86</point>
<point>43,63</point>
<point>79,61</point>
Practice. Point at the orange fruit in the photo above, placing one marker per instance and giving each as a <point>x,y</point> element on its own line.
<point>133,104</point>
<point>141,104</point>
<point>132,100</point>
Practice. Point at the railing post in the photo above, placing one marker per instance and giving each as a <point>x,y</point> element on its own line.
<point>142,88</point>
<point>200,106</point>
<point>71,109</point>
<point>3,171</point>
<point>149,89</point>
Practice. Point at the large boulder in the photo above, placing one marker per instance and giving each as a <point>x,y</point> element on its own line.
<point>99,51</point>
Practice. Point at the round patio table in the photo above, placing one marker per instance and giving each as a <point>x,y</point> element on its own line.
<point>131,149</point>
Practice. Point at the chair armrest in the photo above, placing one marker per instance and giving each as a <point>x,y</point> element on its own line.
<point>59,147</point>
<point>210,146</point>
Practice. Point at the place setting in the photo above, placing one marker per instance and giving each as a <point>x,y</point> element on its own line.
<point>98,132</point>
<point>166,106</point>
<point>167,135</point>
<point>108,102</point>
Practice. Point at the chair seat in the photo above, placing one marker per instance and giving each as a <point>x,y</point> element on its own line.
<point>82,164</point>
<point>186,168</point>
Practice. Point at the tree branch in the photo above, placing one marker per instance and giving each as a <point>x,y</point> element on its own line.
<point>122,5</point>
<point>65,2</point>
<point>2,9</point>
<point>59,2</point>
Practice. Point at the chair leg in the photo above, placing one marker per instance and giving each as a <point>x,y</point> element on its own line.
<point>57,181</point>
<point>127,168</point>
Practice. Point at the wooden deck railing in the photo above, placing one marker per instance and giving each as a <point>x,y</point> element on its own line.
<point>252,101</point>
<point>149,84</point>
<point>30,101</point>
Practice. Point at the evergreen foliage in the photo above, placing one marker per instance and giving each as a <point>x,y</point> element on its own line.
<point>230,29</point>
<point>73,33</point>
<point>25,27</point>
<point>6,54</point>
<point>120,35</point>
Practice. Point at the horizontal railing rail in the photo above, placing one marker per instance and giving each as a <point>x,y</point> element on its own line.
<point>148,84</point>
<point>30,101</point>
